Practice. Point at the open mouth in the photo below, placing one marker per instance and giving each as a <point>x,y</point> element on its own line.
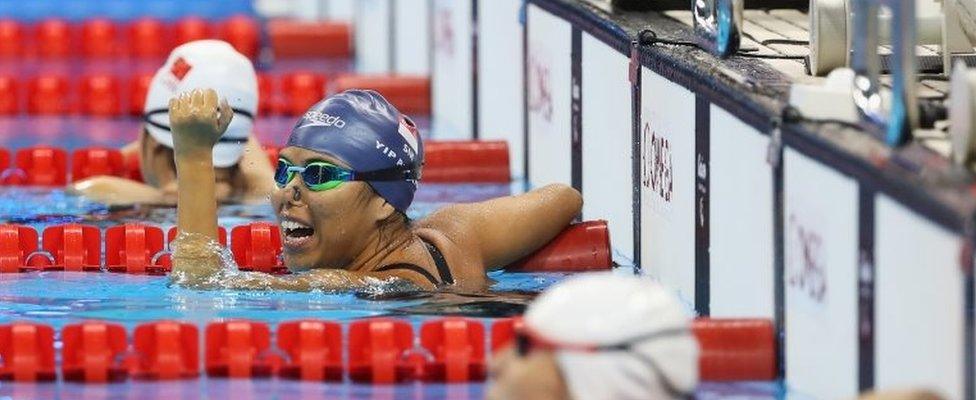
<point>295,230</point>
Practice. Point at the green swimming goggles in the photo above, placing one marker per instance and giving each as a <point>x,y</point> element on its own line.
<point>321,175</point>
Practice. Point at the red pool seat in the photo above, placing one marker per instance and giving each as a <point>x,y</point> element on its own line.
<point>458,347</point>
<point>18,250</point>
<point>138,89</point>
<point>301,39</point>
<point>736,349</point>
<point>410,94</point>
<point>243,33</point>
<point>503,332</point>
<point>96,161</point>
<point>376,350</point>
<point>148,38</point>
<point>190,29</point>
<point>11,38</point>
<point>166,350</point>
<point>49,95</point>
<point>134,249</point>
<point>75,247</point>
<point>100,96</point>
<point>53,38</point>
<point>27,352</point>
<point>314,350</point>
<point>93,352</point>
<point>257,247</point>
<point>466,161</point>
<point>9,94</point>
<point>239,349</point>
<point>583,246</point>
<point>221,235</point>
<point>301,90</point>
<point>4,159</point>
<point>39,166</point>
<point>99,38</point>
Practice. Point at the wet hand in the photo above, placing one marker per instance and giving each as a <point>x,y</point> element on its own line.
<point>198,118</point>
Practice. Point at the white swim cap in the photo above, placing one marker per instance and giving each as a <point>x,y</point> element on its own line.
<point>605,309</point>
<point>206,64</point>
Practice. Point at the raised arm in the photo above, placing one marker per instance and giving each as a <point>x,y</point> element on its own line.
<point>198,119</point>
<point>509,228</point>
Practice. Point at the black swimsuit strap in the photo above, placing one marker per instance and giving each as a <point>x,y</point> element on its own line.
<point>442,268</point>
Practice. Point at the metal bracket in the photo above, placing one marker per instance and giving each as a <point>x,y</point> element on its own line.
<point>718,25</point>
<point>902,115</point>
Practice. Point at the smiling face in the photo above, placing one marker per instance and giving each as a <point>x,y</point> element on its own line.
<point>326,229</point>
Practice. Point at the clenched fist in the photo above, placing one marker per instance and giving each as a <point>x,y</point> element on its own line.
<point>198,118</point>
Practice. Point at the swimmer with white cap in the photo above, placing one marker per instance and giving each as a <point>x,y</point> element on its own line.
<point>345,179</point>
<point>600,336</point>
<point>242,168</point>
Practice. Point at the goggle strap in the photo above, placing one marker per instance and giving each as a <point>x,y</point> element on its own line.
<point>388,174</point>
<point>147,118</point>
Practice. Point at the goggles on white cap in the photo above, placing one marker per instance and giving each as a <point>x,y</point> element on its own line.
<point>206,64</point>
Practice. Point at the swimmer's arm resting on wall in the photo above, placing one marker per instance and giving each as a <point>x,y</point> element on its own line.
<point>509,228</point>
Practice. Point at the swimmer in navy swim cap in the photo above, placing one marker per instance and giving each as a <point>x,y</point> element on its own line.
<point>344,182</point>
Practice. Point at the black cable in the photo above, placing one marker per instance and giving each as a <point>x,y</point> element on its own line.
<point>772,56</point>
<point>791,42</point>
<point>647,37</point>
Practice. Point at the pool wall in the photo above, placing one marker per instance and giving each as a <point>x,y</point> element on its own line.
<point>860,253</point>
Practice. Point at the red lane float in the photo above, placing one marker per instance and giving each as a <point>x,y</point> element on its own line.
<point>736,349</point>
<point>239,349</point>
<point>376,350</point>
<point>27,352</point>
<point>466,161</point>
<point>134,249</point>
<point>92,352</point>
<point>314,350</point>
<point>190,29</point>
<point>410,94</point>
<point>75,247</point>
<point>11,38</point>
<point>221,235</point>
<point>18,250</point>
<point>583,246</point>
<point>9,95</point>
<point>243,33</point>
<point>503,332</point>
<point>148,38</point>
<point>299,39</point>
<point>257,247</point>
<point>98,38</point>
<point>458,347</point>
<point>39,166</point>
<point>301,90</point>
<point>49,95</point>
<point>53,38</point>
<point>100,96</point>
<point>96,161</point>
<point>166,350</point>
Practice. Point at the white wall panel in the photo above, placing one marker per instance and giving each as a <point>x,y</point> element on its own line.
<point>918,302</point>
<point>607,142</point>
<point>668,183</point>
<point>740,219</point>
<point>340,9</point>
<point>411,37</point>
<point>452,82</point>
<point>820,235</point>
<point>548,91</point>
<point>500,84</point>
<point>372,36</point>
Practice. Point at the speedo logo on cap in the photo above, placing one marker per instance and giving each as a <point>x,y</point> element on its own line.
<point>316,118</point>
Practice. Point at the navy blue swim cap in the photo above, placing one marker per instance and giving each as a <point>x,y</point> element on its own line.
<point>362,129</point>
